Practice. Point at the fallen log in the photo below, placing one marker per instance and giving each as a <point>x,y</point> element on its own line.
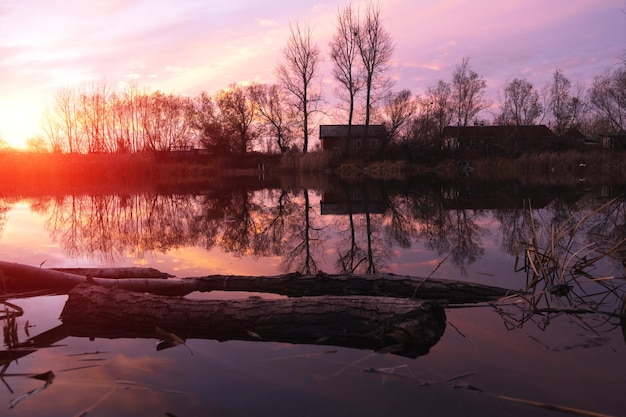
<point>116,273</point>
<point>400,326</point>
<point>15,278</point>
<point>386,285</point>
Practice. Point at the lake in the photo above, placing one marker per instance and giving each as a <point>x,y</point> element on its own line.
<point>556,346</point>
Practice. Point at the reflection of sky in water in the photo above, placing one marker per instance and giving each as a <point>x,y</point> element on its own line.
<point>568,363</point>
<point>256,378</point>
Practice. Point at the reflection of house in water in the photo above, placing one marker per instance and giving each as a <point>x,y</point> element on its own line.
<point>353,201</point>
<point>493,197</point>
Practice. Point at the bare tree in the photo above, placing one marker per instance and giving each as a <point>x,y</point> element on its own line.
<point>521,103</point>
<point>376,49</point>
<point>206,125</point>
<point>91,116</point>
<point>468,93</point>
<point>439,106</point>
<point>52,130</point>
<point>397,112</point>
<point>565,106</point>
<point>296,73</point>
<point>36,144</point>
<point>344,52</point>
<point>277,116</point>
<point>608,97</point>
<point>237,111</point>
<point>65,114</point>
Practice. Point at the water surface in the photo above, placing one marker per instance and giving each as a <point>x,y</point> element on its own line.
<point>502,358</point>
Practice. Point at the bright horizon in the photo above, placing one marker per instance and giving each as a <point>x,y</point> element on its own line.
<point>188,47</point>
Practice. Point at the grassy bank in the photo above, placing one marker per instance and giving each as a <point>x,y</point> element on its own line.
<point>567,168</point>
<point>20,170</point>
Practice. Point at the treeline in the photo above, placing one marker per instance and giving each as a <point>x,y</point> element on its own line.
<point>96,119</point>
<point>282,116</point>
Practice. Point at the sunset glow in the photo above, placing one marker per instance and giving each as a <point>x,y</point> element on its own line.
<point>187,47</point>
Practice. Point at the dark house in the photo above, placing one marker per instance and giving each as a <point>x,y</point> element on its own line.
<point>617,141</point>
<point>352,139</point>
<point>356,201</point>
<point>494,140</point>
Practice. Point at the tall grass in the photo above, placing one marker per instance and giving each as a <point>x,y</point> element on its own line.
<point>318,161</point>
<point>561,262</point>
<point>567,168</point>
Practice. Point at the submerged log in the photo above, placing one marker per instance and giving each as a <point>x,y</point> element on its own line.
<point>401,326</point>
<point>15,278</point>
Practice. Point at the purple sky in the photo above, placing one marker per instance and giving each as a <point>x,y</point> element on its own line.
<point>184,47</point>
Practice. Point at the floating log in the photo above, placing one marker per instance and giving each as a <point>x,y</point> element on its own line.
<point>385,285</point>
<point>15,278</point>
<point>402,326</point>
<point>116,273</point>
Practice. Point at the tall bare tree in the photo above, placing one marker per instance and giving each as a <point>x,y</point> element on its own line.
<point>608,97</point>
<point>65,114</point>
<point>206,125</point>
<point>238,113</point>
<point>51,127</point>
<point>564,105</point>
<point>438,106</point>
<point>468,93</point>
<point>397,112</point>
<point>92,115</point>
<point>344,52</point>
<point>376,49</point>
<point>272,110</point>
<point>297,71</point>
<point>521,103</point>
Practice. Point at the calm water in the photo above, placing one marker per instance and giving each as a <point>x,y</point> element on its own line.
<point>512,357</point>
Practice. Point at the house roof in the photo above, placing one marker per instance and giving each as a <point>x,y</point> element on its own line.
<point>498,132</point>
<point>340,131</point>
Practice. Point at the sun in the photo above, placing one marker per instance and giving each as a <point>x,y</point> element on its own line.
<point>20,120</point>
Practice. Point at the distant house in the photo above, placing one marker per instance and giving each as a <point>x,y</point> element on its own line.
<point>613,141</point>
<point>352,139</point>
<point>498,139</point>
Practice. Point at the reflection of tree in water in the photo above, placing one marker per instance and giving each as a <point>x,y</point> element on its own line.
<point>244,222</point>
<point>5,206</point>
<point>263,222</point>
<point>304,239</point>
<point>453,231</point>
<point>110,225</point>
<point>236,220</point>
<point>512,229</point>
<point>372,225</point>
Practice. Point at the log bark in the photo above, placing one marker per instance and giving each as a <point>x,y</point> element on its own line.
<point>116,273</point>
<point>386,285</point>
<point>401,326</point>
<point>17,278</point>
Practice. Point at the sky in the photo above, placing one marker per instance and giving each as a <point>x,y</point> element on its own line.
<point>185,47</point>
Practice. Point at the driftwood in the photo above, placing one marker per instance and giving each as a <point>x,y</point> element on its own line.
<point>16,278</point>
<point>401,326</point>
<point>116,273</point>
<point>385,285</point>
